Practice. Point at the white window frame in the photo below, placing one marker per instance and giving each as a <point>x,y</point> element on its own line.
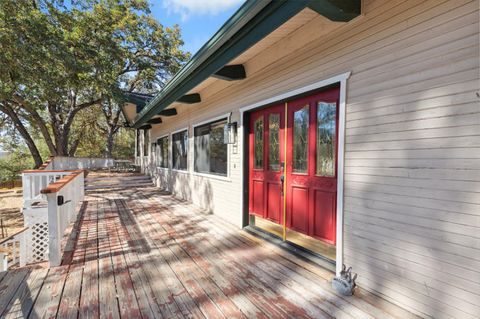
<point>342,79</point>
<point>210,175</point>
<point>168,155</point>
<point>170,162</point>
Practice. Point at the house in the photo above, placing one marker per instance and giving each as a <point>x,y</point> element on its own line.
<point>347,129</point>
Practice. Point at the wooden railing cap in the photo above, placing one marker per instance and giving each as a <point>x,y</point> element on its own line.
<point>58,185</point>
<point>48,170</point>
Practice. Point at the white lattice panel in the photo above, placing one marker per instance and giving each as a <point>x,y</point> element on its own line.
<point>39,242</point>
<point>37,234</point>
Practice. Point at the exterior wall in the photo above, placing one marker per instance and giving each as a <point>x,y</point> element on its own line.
<point>412,153</point>
<point>216,194</point>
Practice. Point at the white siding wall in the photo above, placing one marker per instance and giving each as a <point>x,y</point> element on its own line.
<point>412,167</point>
<point>217,194</point>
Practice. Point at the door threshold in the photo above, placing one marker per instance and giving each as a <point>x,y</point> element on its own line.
<point>298,250</point>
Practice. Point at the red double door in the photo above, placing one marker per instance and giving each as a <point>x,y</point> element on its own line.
<point>293,173</point>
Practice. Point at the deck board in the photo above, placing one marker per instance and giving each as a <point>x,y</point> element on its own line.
<point>108,302</point>
<point>136,252</point>
<point>11,283</point>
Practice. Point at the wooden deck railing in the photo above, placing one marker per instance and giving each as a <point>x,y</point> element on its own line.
<point>63,197</point>
<point>50,199</point>
<point>72,163</point>
<point>51,195</point>
<point>33,181</point>
<point>12,250</point>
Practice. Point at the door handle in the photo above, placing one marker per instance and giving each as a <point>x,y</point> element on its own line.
<point>282,179</point>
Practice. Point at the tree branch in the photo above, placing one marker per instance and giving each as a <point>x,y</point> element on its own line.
<point>38,121</point>
<point>10,112</point>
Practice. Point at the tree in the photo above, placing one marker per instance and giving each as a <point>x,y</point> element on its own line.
<point>112,113</point>
<point>62,57</point>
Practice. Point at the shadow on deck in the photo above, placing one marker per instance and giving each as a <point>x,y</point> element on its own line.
<point>136,252</point>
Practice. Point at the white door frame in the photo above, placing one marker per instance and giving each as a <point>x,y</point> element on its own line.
<point>342,79</point>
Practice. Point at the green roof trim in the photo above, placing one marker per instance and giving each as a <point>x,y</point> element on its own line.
<point>251,23</point>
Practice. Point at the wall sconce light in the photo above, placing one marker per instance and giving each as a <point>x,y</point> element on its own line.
<point>230,133</point>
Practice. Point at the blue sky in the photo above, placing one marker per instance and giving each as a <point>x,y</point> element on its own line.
<point>198,19</point>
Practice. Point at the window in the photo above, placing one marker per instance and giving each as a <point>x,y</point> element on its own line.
<point>146,142</point>
<point>210,149</point>
<point>326,131</point>
<point>162,152</point>
<point>258,143</point>
<point>300,140</point>
<point>179,150</point>
<point>274,142</point>
<point>138,142</point>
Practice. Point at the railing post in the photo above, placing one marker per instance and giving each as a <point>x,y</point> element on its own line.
<point>23,249</point>
<point>26,187</point>
<point>82,186</point>
<point>54,231</point>
<point>3,262</point>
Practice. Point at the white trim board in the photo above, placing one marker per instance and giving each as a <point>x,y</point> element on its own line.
<point>317,85</point>
<point>162,136</point>
<point>342,79</point>
<point>179,131</point>
<point>211,120</point>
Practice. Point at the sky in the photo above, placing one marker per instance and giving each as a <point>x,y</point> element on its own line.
<point>198,19</point>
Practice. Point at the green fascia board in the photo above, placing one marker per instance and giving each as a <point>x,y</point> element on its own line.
<point>251,23</point>
<point>139,99</point>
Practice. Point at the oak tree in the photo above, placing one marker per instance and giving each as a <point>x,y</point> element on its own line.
<point>61,57</point>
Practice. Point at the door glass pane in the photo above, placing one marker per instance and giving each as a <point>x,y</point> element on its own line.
<point>300,140</point>
<point>258,144</point>
<point>274,142</point>
<point>326,131</point>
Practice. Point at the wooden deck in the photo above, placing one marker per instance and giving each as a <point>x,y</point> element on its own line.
<point>136,252</point>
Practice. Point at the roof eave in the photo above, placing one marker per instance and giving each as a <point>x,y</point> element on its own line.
<point>251,23</point>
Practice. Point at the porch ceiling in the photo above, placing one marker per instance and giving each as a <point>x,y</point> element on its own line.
<point>257,24</point>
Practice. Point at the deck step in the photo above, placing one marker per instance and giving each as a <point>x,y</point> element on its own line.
<point>95,183</point>
<point>110,178</point>
<point>96,187</point>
